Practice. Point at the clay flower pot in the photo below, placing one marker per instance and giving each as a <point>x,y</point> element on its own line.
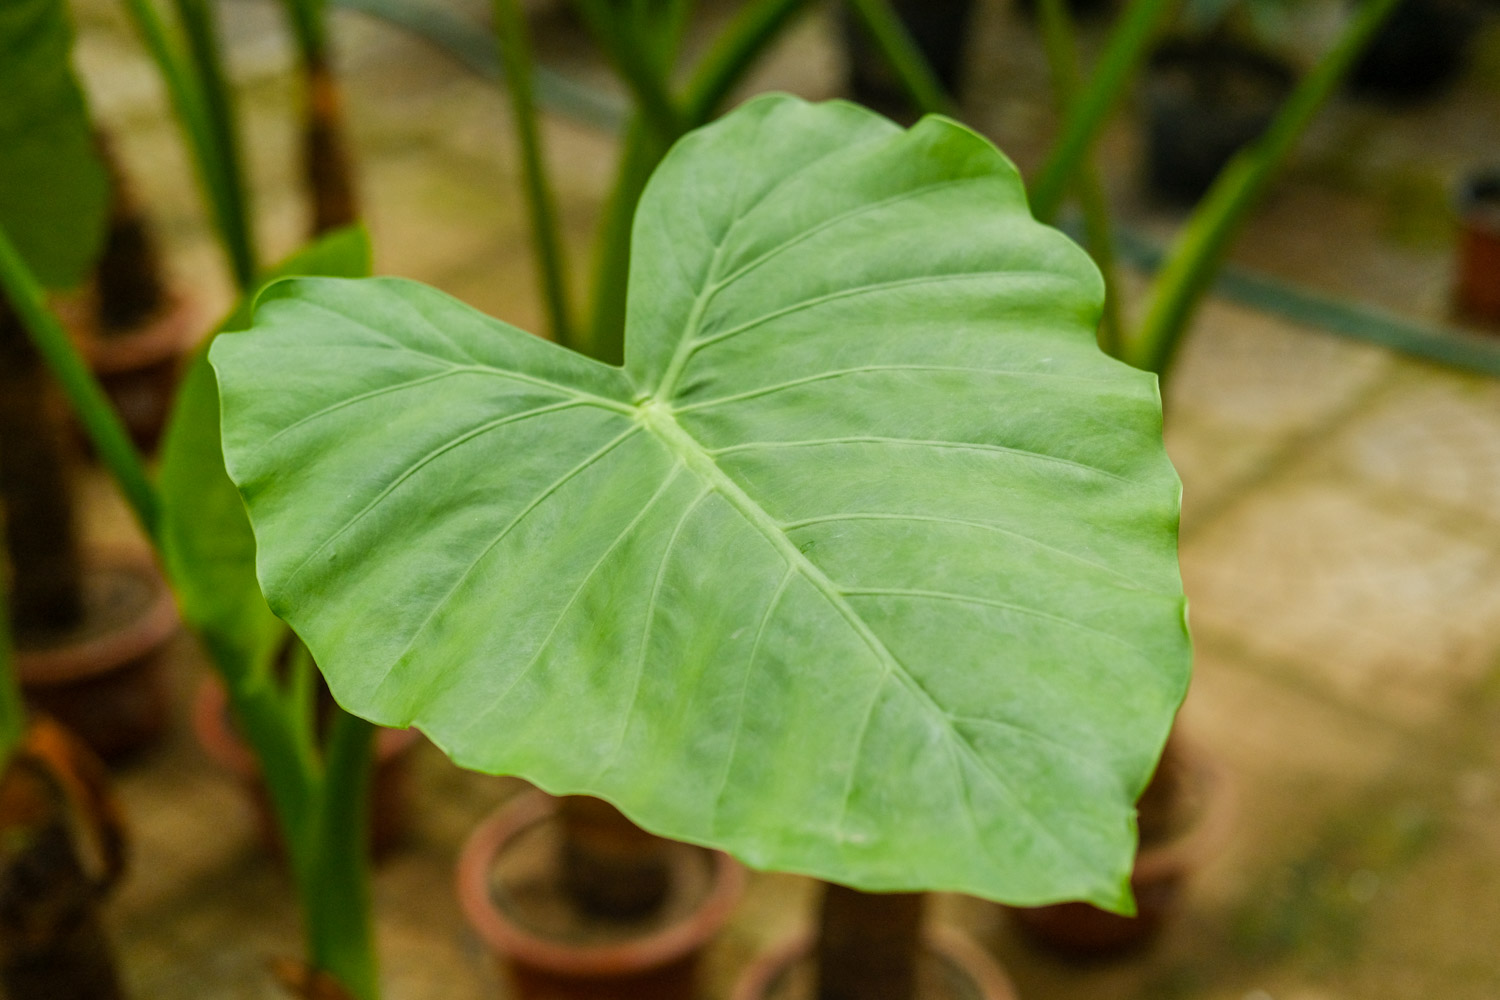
<point>213,724</point>
<point>511,891</point>
<point>955,968</point>
<point>1202,812</point>
<point>139,369</point>
<point>1477,294</point>
<point>106,679</point>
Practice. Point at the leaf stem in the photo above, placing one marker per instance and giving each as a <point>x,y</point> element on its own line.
<point>513,40</point>
<point>197,21</point>
<point>88,400</point>
<point>719,71</point>
<point>1059,41</point>
<point>1205,239</point>
<point>335,868</point>
<point>890,36</point>
<point>1090,110</point>
<point>634,61</point>
<point>192,116</point>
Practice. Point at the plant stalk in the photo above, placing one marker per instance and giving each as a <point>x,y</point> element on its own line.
<point>649,82</point>
<point>1087,114</point>
<point>754,27</point>
<point>312,810</point>
<point>197,19</point>
<point>1060,44</point>
<point>868,945</point>
<point>640,152</point>
<point>35,496</point>
<point>325,150</point>
<point>1205,239</point>
<point>334,867</point>
<point>12,708</point>
<point>89,403</point>
<point>890,36</point>
<point>514,42</point>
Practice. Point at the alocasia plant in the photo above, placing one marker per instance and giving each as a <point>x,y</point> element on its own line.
<point>863,565</point>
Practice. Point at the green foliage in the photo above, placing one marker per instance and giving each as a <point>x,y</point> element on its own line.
<point>206,540</point>
<point>54,193</point>
<point>864,565</point>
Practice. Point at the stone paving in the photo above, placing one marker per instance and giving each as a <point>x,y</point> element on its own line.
<point>1341,542</point>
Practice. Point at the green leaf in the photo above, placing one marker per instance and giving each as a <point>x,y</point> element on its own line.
<point>207,544</point>
<point>863,566</point>
<point>54,194</point>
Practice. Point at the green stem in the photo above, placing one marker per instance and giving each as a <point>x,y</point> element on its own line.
<point>1088,113</point>
<point>733,52</point>
<point>1060,45</point>
<point>88,401</point>
<point>192,116</point>
<point>197,21</point>
<point>516,62</point>
<point>639,155</point>
<point>306,19</point>
<point>906,60</point>
<point>634,61</point>
<point>335,872</point>
<point>1205,239</point>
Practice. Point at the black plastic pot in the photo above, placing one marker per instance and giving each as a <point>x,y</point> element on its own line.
<point>941,30</point>
<point>1421,49</point>
<point>1205,100</point>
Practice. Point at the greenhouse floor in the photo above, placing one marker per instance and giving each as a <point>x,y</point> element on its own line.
<point>1340,544</point>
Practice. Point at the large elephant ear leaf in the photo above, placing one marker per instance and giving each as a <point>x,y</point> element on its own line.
<point>864,566</point>
<point>53,189</point>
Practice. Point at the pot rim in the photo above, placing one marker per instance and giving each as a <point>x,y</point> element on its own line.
<point>582,961</point>
<point>217,736</point>
<point>79,660</point>
<point>959,948</point>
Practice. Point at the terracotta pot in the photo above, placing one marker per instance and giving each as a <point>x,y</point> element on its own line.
<point>1477,294</point>
<point>1203,814</point>
<point>550,951</point>
<point>53,944</point>
<point>1205,100</point>
<point>106,679</point>
<point>214,726</point>
<point>139,369</point>
<point>956,969</point>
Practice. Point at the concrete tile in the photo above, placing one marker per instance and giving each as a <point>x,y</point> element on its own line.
<point>1389,614</point>
<point>1433,439</point>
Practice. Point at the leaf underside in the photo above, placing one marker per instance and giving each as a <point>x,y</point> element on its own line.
<point>863,566</point>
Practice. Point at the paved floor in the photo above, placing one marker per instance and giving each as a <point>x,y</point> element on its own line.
<point>1341,542</point>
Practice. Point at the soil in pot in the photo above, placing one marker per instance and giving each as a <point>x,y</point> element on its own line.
<point>52,943</point>
<point>1477,292</point>
<point>1418,52</point>
<point>105,675</point>
<point>949,967</point>
<point>214,726</point>
<point>1182,816</point>
<point>516,893</point>
<point>1205,101</point>
<point>940,29</point>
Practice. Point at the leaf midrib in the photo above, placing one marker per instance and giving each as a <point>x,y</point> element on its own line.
<point>659,420</point>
